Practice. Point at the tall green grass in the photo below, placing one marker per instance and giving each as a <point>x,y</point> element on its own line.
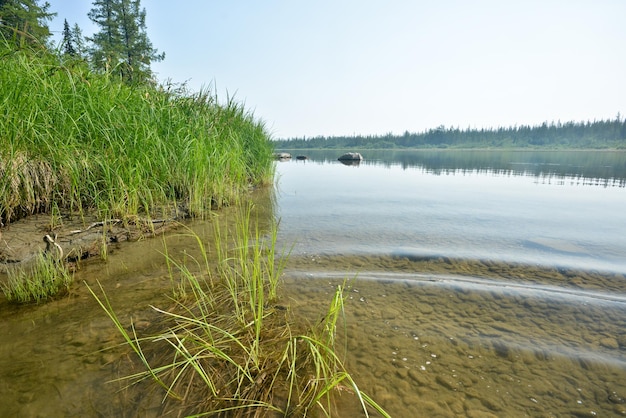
<point>229,349</point>
<point>82,140</point>
<point>44,279</point>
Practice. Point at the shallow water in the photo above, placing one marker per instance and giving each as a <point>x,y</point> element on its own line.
<point>64,359</point>
<point>490,284</point>
<point>483,283</point>
<point>455,346</point>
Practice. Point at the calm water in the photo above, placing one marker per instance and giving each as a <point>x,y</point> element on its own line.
<point>481,284</point>
<point>487,283</point>
<point>529,207</point>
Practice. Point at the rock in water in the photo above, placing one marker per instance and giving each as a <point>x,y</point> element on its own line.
<point>351,156</point>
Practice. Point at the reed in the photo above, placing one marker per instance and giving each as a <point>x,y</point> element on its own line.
<point>228,349</point>
<point>77,140</point>
<point>44,279</point>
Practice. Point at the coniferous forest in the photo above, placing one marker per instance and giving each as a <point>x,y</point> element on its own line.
<point>120,47</point>
<point>603,134</point>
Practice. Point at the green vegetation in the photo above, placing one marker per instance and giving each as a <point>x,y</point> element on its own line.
<point>98,133</point>
<point>589,135</point>
<point>228,349</point>
<point>81,140</point>
<point>45,279</point>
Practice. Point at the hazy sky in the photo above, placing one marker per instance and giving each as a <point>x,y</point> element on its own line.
<point>343,67</point>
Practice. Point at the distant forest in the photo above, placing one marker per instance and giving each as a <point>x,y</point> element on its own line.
<point>603,134</point>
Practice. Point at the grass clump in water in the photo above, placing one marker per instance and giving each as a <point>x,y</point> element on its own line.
<point>44,279</point>
<point>82,140</point>
<point>229,349</point>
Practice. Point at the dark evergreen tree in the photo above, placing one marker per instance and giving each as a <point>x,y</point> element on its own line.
<point>122,45</point>
<point>25,22</point>
<point>106,44</point>
<point>67,44</point>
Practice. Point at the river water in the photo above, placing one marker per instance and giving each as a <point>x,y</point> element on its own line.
<point>484,283</point>
<point>481,284</point>
<point>462,205</point>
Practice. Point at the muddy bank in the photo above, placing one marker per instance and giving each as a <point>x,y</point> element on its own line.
<point>75,238</point>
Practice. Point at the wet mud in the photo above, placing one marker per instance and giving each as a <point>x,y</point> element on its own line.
<point>75,238</point>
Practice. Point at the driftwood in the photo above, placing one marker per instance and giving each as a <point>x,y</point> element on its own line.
<point>21,241</point>
<point>94,239</point>
<point>53,249</point>
<point>116,221</point>
<point>95,224</point>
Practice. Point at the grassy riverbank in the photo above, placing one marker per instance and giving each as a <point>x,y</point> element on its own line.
<point>75,140</point>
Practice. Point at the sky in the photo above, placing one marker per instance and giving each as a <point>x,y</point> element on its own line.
<point>372,67</point>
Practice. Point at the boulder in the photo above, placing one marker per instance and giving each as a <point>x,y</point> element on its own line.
<point>282,156</point>
<point>351,156</point>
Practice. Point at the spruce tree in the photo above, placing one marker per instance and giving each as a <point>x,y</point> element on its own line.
<point>106,44</point>
<point>122,46</point>
<point>25,22</point>
<point>67,44</point>
<point>79,41</point>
